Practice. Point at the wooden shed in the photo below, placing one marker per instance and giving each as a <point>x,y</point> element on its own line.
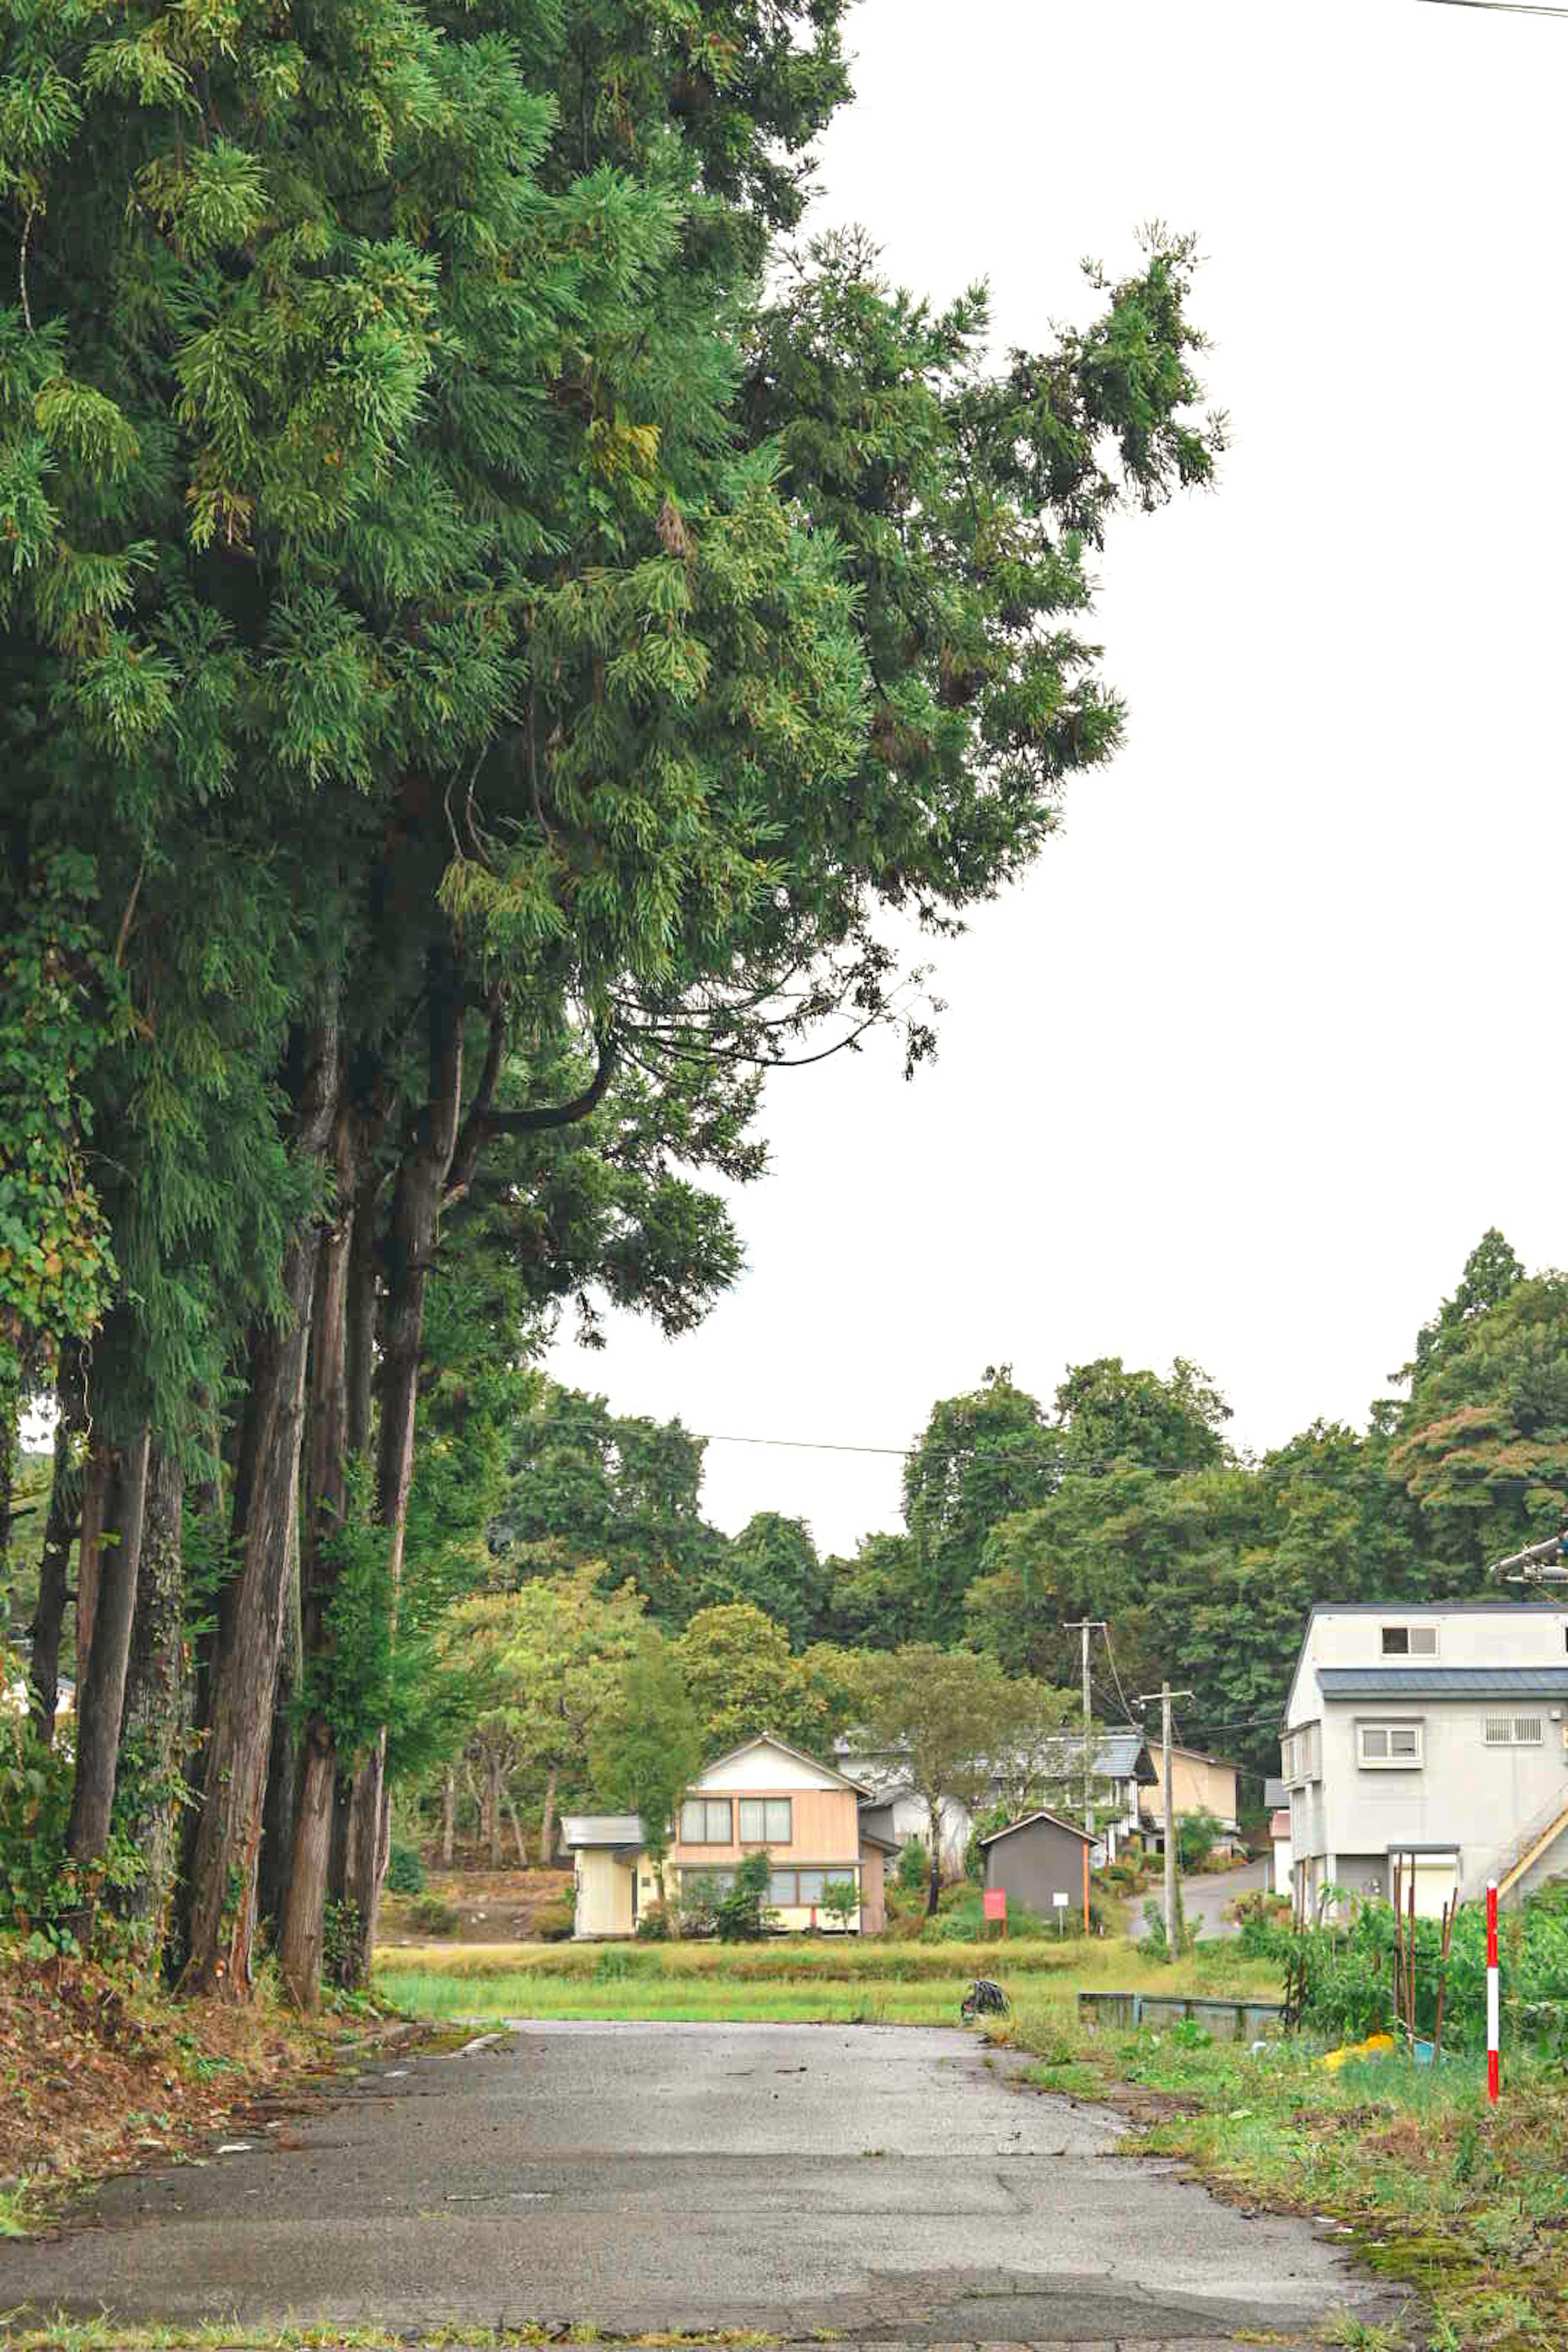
<point>1037,1858</point>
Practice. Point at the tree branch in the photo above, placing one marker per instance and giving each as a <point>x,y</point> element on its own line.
<point>566,1114</point>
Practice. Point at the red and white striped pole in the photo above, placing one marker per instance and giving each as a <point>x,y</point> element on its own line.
<point>1492,2002</point>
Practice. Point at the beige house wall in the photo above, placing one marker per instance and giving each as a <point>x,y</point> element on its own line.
<point>1197,1786</point>
<point>873,1896</point>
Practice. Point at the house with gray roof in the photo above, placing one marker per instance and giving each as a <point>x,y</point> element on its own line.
<point>1432,1737</point>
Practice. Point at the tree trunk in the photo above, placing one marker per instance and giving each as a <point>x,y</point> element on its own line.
<point>251,1634</point>
<point>492,1777</point>
<point>100,1694</point>
<point>517,1833</point>
<point>54,1575</point>
<point>547,1826</point>
<point>89,1553</point>
<point>448,1815</point>
<point>152,1728</point>
<point>201,1527</point>
<point>280,1805</point>
<point>933,1891</point>
<point>326,1496</point>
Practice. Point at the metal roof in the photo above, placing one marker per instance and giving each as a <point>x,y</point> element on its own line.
<point>602,1829</point>
<point>1443,1682</point>
<point>1115,1758</point>
<point>1039,1814</point>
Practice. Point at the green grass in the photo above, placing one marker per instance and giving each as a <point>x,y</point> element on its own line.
<point>1464,2204</point>
<point>841,1983</point>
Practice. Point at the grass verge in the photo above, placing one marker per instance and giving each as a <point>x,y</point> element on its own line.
<point>100,2072</point>
<point>1465,2205</point>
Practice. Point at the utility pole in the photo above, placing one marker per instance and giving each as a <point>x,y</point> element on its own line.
<point>1086,1626</point>
<point>1165,1694</point>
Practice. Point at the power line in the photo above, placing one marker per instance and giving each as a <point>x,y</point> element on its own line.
<point>1501,7</point>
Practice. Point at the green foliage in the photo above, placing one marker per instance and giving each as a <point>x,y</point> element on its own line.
<point>1195,1835</point>
<point>61,1001</point>
<point>992,1818</point>
<point>434,1916</point>
<point>840,1902</point>
<point>405,1869</point>
<point>741,1913</point>
<point>647,1748</point>
<point>1351,1973</point>
<point>553,1922</point>
<point>914,1865</point>
<point>741,1678</point>
<point>342,1933</point>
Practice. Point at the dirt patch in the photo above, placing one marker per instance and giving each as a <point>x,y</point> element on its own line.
<point>493,1907</point>
<point>99,2074</point>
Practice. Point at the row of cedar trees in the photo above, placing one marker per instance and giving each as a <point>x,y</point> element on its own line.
<point>471,675</point>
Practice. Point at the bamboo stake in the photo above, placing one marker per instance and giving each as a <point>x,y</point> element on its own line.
<point>1398,1987</point>
<point>1450,1915</point>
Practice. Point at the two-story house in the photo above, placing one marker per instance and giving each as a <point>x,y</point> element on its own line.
<point>1433,1735</point>
<point>812,1820</point>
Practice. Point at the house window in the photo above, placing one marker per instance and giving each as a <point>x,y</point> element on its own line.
<point>711,1883</point>
<point>1389,1746</point>
<point>792,1890</point>
<point>764,1821</point>
<point>705,1821</point>
<point>1301,1753</point>
<point>1410,1641</point>
<point>1515,1731</point>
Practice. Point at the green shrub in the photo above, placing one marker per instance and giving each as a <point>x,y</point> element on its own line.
<point>914,1865</point>
<point>653,1925</point>
<point>551,1922</point>
<point>434,1916</point>
<point>995,1817</point>
<point>743,1912</point>
<point>840,1900</point>
<point>404,1870</point>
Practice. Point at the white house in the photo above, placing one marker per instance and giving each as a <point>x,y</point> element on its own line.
<point>1053,1765</point>
<point>1432,1735</point>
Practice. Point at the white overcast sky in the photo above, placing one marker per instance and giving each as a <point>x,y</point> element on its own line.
<point>1274,1029</point>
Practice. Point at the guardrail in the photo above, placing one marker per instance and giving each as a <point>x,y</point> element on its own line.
<point>1227,2020</point>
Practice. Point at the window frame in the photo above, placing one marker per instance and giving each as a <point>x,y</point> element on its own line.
<point>1537,1723</point>
<point>828,1872</point>
<point>1408,1630</point>
<point>1387,1725</point>
<point>708,1804</point>
<point>767,1838</point>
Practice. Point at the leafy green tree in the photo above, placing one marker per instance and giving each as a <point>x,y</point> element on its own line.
<point>939,1717</point>
<point>647,1750</point>
<point>1483,1449</point>
<point>1109,1414</point>
<point>1492,1271</point>
<point>742,1679</point>
<point>774,1563</point>
<point>979,1458</point>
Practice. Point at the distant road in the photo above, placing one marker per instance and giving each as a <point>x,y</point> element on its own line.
<point>1203,1899</point>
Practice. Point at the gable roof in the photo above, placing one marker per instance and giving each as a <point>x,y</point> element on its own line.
<point>1198,1755</point>
<point>1443,1682</point>
<point>1121,1755</point>
<point>771,1740</point>
<point>1028,1821</point>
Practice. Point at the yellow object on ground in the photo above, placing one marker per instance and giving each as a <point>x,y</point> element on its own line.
<point>1376,2045</point>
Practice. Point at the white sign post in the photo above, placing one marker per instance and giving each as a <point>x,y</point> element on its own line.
<point>1061,1901</point>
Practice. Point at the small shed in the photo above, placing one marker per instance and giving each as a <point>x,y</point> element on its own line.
<point>1037,1858</point>
<point>1280,1878</point>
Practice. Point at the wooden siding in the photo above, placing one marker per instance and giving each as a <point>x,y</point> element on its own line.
<point>824,1822</point>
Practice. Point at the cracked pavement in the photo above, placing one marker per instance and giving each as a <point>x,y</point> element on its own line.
<point>885,2184</point>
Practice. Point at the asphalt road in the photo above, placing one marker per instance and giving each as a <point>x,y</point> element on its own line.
<point>887,2184</point>
<point>1203,1899</point>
